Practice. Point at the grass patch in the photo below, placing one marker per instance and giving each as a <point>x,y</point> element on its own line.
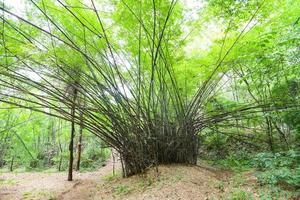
<point>122,189</point>
<point>273,192</point>
<point>145,182</point>
<point>178,177</point>
<point>110,177</point>
<point>46,195</point>
<point>8,182</point>
<point>20,170</point>
<point>4,170</point>
<point>240,194</point>
<point>27,194</point>
<point>50,170</point>
<point>238,179</point>
<point>221,186</point>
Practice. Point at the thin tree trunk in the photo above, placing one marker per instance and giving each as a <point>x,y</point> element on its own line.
<point>113,157</point>
<point>59,164</point>
<point>270,134</point>
<point>79,145</point>
<point>70,174</point>
<point>3,149</point>
<point>61,157</point>
<point>12,163</point>
<point>123,167</point>
<point>59,146</point>
<point>281,134</point>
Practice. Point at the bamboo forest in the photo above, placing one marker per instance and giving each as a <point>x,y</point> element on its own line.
<point>150,99</point>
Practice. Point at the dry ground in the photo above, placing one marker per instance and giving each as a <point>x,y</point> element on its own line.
<point>170,182</point>
<point>46,186</point>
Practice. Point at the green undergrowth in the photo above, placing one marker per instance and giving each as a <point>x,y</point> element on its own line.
<point>37,195</point>
<point>112,176</point>
<point>281,169</point>
<point>277,175</point>
<point>7,182</point>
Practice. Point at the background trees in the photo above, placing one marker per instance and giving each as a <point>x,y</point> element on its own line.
<point>34,141</point>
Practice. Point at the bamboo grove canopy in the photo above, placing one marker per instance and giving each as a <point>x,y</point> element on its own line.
<point>126,69</point>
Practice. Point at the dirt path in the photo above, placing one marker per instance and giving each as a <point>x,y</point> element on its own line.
<point>36,185</point>
<point>87,184</point>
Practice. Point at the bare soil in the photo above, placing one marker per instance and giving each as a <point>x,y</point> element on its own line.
<point>42,186</point>
<point>165,182</point>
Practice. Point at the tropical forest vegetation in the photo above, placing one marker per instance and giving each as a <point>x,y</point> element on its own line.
<point>150,99</point>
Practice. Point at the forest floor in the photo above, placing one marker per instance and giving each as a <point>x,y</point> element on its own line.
<point>170,182</point>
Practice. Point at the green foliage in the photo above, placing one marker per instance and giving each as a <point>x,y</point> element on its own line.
<point>236,162</point>
<point>111,176</point>
<point>271,192</point>
<point>279,168</point>
<point>276,160</point>
<point>240,194</point>
<point>31,141</point>
<point>94,157</point>
<point>8,182</point>
<point>122,189</point>
<point>35,195</point>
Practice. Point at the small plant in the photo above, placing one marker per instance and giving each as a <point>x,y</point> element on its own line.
<point>178,177</point>
<point>221,186</point>
<point>145,182</point>
<point>236,163</point>
<point>265,196</point>
<point>26,195</point>
<point>241,195</point>
<point>109,177</point>
<point>122,189</point>
<point>275,193</point>
<point>238,180</point>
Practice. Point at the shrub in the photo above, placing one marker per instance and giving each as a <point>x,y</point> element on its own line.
<point>279,168</point>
